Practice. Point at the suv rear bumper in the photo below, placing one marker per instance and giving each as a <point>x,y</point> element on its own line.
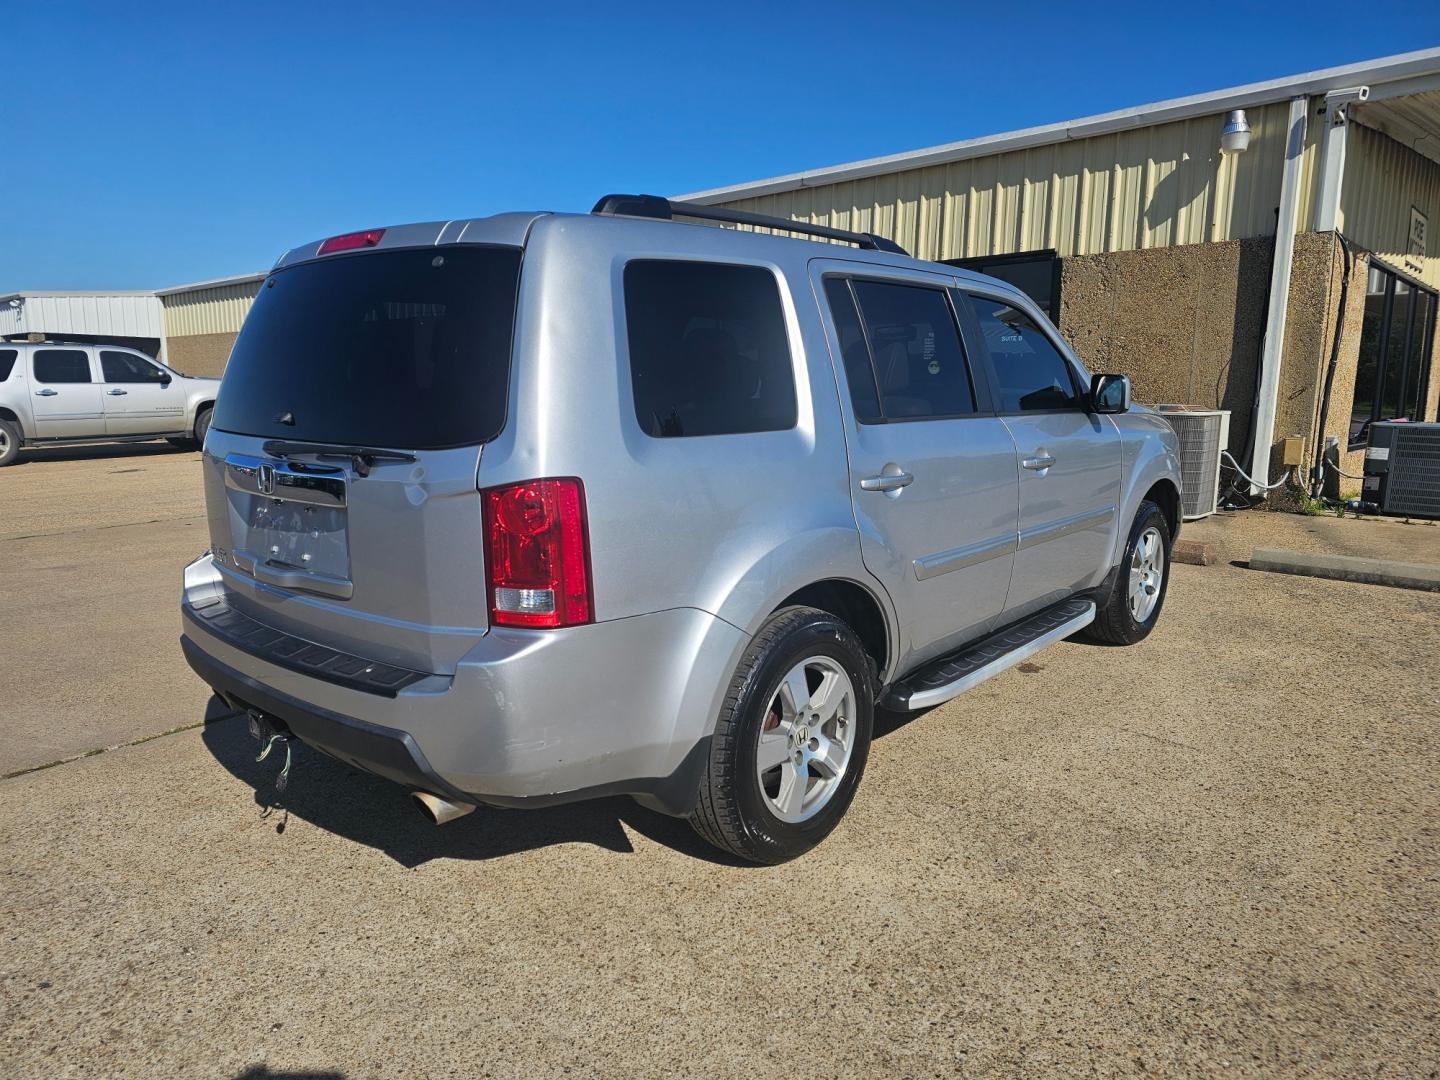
<point>527,718</point>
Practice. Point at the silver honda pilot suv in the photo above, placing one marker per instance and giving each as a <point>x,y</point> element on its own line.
<point>534,508</point>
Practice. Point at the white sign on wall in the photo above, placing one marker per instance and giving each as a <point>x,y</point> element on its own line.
<point>1418,224</point>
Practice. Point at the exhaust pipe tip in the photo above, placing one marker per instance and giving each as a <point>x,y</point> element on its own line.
<point>437,810</point>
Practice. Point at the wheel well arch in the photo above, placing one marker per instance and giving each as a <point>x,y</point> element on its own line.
<point>857,606</point>
<point>8,414</point>
<point>1164,494</point>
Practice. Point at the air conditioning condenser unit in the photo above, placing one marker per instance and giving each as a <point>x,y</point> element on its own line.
<point>1402,469</point>
<point>1203,433</point>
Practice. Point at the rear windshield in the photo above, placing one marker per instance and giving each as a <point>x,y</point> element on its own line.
<point>407,349</point>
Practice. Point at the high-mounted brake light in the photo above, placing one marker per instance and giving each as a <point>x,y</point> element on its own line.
<point>537,554</point>
<point>351,241</point>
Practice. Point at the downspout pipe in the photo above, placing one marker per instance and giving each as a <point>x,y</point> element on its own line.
<point>1274,345</point>
<point>1317,474</point>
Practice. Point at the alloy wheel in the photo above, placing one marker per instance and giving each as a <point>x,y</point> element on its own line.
<point>1147,574</point>
<point>806,739</point>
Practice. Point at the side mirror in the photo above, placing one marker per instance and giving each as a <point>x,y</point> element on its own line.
<point>1110,393</point>
<point>164,380</point>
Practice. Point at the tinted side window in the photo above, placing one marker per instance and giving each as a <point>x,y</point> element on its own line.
<point>919,363</point>
<point>61,366</point>
<point>7,362</point>
<point>708,351</point>
<point>126,367</point>
<point>1030,373</point>
<point>855,353</point>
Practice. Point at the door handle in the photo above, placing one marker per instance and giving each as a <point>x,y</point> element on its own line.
<point>1040,464</point>
<point>887,482</point>
<point>117,393</point>
<point>47,392</point>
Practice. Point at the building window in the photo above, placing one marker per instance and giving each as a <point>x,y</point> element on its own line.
<point>1035,273</point>
<point>1397,335</point>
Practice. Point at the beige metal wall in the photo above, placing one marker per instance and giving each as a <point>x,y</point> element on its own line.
<point>209,311</point>
<point>1383,180</point>
<point>1151,187</point>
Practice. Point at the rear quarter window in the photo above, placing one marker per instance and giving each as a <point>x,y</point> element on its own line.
<point>709,354</point>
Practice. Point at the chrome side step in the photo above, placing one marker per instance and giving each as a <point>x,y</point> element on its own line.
<point>950,676</point>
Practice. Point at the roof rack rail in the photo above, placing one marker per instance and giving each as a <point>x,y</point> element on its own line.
<point>655,206</point>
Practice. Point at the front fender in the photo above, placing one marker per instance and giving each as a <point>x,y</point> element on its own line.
<point>1151,454</point>
<point>193,400</point>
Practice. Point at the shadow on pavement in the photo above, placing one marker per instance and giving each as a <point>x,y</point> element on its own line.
<point>264,1072</point>
<point>36,455</point>
<point>374,812</point>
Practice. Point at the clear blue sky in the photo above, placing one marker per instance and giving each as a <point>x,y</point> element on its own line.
<point>147,146</point>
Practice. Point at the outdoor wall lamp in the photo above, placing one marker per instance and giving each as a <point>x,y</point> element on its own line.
<point>1235,136</point>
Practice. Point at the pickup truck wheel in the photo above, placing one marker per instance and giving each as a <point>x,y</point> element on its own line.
<point>202,425</point>
<point>791,741</point>
<point>9,442</point>
<point>1130,611</point>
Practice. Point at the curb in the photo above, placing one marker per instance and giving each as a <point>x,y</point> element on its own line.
<point>1193,552</point>
<point>1421,576</point>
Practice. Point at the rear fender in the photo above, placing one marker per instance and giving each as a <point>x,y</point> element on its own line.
<point>819,554</point>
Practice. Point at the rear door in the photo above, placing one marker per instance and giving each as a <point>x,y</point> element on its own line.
<point>140,397</point>
<point>64,393</point>
<point>404,353</point>
<point>1069,458</point>
<point>933,473</point>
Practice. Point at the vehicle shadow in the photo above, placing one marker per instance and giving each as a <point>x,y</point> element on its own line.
<point>34,455</point>
<point>377,813</point>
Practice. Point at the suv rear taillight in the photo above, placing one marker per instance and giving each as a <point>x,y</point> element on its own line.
<point>537,554</point>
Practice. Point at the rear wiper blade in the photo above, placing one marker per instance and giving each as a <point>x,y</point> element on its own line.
<point>362,458</point>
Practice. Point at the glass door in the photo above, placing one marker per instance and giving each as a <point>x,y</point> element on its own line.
<point>1397,337</point>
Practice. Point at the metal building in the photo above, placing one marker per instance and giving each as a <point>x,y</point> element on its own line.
<point>202,320</point>
<point>108,318</point>
<point>1200,244</point>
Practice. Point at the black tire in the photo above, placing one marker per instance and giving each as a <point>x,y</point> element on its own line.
<point>1115,623</point>
<point>732,811</point>
<point>202,425</point>
<point>9,442</point>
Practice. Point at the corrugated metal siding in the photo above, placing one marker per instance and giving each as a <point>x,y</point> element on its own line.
<point>112,316</point>
<point>1383,180</point>
<point>1151,187</point>
<point>209,311</point>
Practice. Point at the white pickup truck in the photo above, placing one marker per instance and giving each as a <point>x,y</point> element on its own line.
<point>54,393</point>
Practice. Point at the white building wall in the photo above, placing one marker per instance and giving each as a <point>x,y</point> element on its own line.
<point>110,314</point>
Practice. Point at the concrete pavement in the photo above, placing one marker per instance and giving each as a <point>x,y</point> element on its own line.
<point>1213,854</point>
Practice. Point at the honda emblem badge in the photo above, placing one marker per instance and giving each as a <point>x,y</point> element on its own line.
<point>265,479</point>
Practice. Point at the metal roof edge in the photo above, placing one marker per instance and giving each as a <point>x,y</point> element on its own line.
<point>214,283</point>
<point>1382,70</point>
<point>29,293</point>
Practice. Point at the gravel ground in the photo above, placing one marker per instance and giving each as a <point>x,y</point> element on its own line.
<point>1214,854</point>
